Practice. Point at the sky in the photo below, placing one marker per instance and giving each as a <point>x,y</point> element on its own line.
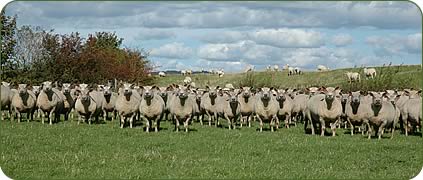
<point>234,35</point>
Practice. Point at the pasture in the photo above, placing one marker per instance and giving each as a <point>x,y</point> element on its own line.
<point>98,151</point>
<point>103,150</point>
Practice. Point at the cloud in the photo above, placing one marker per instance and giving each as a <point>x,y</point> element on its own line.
<point>224,37</point>
<point>382,15</point>
<point>396,44</point>
<point>154,34</point>
<point>288,38</point>
<point>342,40</point>
<point>172,51</point>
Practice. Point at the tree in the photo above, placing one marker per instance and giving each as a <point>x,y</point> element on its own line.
<point>8,27</point>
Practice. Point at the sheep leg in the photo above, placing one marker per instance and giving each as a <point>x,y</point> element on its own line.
<point>200,118</point>
<point>186,123</point>
<point>272,123</point>
<point>249,120</point>
<point>287,121</point>
<point>19,116</point>
<point>352,127</point>
<point>322,126</point>
<point>51,116</point>
<point>261,123</point>
<point>242,120</point>
<point>333,128</point>
<point>229,121</point>
<point>131,120</point>
<point>176,124</point>
<point>147,123</point>
<point>210,118</point>
<point>79,119</point>
<point>104,115</point>
<point>122,121</point>
<point>405,122</point>
<point>156,124</point>
<point>381,129</point>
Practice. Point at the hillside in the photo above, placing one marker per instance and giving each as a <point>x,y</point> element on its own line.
<point>394,77</point>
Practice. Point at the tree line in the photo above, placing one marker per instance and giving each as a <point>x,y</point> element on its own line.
<point>33,55</point>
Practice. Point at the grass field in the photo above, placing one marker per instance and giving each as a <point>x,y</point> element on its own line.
<point>388,78</point>
<point>67,150</point>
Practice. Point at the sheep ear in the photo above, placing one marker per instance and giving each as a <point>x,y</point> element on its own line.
<point>371,94</point>
<point>397,97</point>
<point>419,92</point>
<point>217,87</point>
<point>337,88</point>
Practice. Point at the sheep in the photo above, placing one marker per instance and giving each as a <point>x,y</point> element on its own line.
<point>369,72</point>
<point>299,107</point>
<point>268,68</point>
<point>68,100</point>
<point>162,74</point>
<point>220,73</point>
<point>291,71</point>
<point>324,109</point>
<point>189,72</point>
<point>166,93</point>
<point>49,102</point>
<point>322,68</point>
<point>276,68</point>
<point>229,86</point>
<point>246,100</point>
<point>353,77</point>
<point>249,68</point>
<point>127,104</point>
<point>181,106</point>
<point>297,71</point>
<point>231,107</point>
<point>198,111</point>
<point>6,97</point>
<point>357,110</point>
<point>312,90</point>
<point>344,100</point>
<point>266,107</point>
<point>187,80</point>
<point>151,107</point>
<point>383,115</point>
<point>285,107</point>
<point>183,72</point>
<point>412,112</point>
<point>23,101</point>
<point>89,104</point>
<point>208,103</point>
<point>109,102</point>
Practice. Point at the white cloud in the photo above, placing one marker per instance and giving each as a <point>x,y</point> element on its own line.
<point>172,51</point>
<point>396,44</point>
<point>342,40</point>
<point>383,15</point>
<point>224,37</point>
<point>288,38</point>
<point>154,34</point>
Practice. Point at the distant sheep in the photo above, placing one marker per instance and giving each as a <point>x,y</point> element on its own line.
<point>369,72</point>
<point>322,68</point>
<point>353,77</point>
<point>162,74</point>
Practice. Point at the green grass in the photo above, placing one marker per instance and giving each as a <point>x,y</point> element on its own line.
<point>67,150</point>
<point>388,78</point>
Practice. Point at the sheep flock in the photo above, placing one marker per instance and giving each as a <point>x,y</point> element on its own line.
<point>317,108</point>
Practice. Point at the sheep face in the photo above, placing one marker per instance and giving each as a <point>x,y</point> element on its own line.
<point>233,96</point>
<point>246,92</point>
<point>182,92</point>
<point>312,90</point>
<point>66,88</point>
<point>127,89</point>
<point>330,93</point>
<point>212,91</point>
<point>22,89</point>
<point>47,86</point>
<point>148,92</point>
<point>391,96</point>
<point>377,99</point>
<point>107,91</point>
<point>281,95</point>
<point>266,93</point>
<point>344,98</point>
<point>36,90</point>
